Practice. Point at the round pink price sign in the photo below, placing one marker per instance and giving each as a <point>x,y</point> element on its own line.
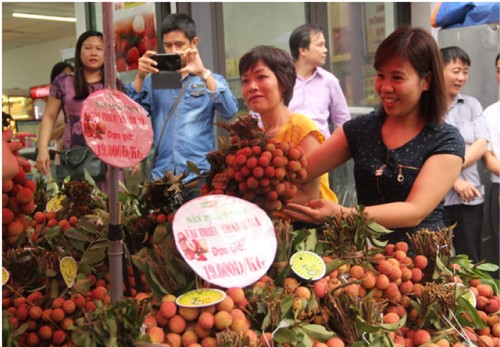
<point>116,128</point>
<point>227,241</point>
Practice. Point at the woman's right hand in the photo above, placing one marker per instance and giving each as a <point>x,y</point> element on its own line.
<point>314,212</point>
<point>43,161</point>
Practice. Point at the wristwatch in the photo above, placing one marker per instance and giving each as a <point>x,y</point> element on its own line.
<point>206,75</point>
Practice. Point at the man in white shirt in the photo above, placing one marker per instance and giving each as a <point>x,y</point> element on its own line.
<point>317,93</point>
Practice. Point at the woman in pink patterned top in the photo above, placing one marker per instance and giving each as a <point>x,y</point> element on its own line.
<point>68,92</point>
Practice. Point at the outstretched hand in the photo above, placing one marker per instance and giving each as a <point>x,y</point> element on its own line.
<point>10,155</point>
<point>314,212</point>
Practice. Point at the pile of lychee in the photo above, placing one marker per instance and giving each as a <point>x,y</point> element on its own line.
<point>179,326</point>
<point>262,171</point>
<point>43,221</point>
<point>398,279</point>
<point>17,203</point>
<point>49,322</point>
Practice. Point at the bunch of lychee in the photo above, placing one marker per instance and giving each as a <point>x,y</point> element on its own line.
<point>262,172</point>
<point>398,279</point>
<point>17,203</point>
<point>49,322</point>
<point>197,326</point>
<point>43,221</point>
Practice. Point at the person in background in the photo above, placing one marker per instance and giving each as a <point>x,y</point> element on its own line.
<point>317,92</point>
<point>463,204</point>
<point>189,135</point>
<point>59,68</point>
<point>405,157</point>
<point>68,92</point>
<point>491,161</point>
<point>267,78</point>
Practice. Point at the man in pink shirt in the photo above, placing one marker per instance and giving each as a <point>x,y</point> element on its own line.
<point>317,93</point>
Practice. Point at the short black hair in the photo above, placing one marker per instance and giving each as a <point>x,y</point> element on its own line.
<point>454,53</point>
<point>278,60</point>
<point>301,38</point>
<point>58,69</point>
<point>179,22</point>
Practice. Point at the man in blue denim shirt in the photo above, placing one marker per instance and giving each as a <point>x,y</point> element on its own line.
<point>189,135</point>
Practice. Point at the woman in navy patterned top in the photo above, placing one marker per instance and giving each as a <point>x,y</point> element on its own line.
<point>405,157</point>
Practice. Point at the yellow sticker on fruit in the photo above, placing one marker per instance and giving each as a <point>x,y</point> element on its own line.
<point>201,298</point>
<point>5,276</point>
<point>68,268</point>
<point>308,265</point>
<point>55,204</point>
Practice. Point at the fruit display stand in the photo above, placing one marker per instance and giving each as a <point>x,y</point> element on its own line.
<point>344,288</point>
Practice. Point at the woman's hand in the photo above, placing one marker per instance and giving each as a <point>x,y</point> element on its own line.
<point>10,156</point>
<point>314,212</point>
<point>43,161</point>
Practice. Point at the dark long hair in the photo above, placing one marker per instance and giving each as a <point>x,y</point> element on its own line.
<point>278,60</point>
<point>58,68</point>
<point>419,48</point>
<point>81,85</point>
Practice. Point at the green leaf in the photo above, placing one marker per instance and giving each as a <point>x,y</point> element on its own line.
<point>77,234</point>
<point>82,285</point>
<point>364,326</point>
<point>284,335</point>
<point>394,326</point>
<point>299,237</point>
<point>93,257</point>
<point>154,283</point>
<point>318,332</point>
<point>160,234</point>
<point>471,311</point>
<point>192,166</point>
<point>266,321</point>
<point>378,243</point>
<point>78,245</point>
<point>20,330</point>
<point>99,245</point>
<point>487,267</point>
<point>286,304</point>
<point>379,229</point>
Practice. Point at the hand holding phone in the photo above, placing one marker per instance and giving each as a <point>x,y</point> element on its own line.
<point>167,61</point>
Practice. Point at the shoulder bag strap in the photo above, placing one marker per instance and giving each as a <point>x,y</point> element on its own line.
<point>170,113</point>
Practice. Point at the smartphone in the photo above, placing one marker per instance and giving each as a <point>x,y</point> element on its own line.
<point>167,61</point>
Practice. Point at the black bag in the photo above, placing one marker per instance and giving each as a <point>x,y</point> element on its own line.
<point>75,160</point>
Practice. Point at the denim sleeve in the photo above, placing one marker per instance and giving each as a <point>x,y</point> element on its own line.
<point>144,97</point>
<point>223,99</point>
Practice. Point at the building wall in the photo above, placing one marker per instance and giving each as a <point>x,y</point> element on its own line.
<point>31,65</point>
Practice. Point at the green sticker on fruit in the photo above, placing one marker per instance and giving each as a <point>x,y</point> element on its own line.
<point>5,276</point>
<point>55,204</point>
<point>308,265</point>
<point>68,268</point>
<point>201,298</point>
